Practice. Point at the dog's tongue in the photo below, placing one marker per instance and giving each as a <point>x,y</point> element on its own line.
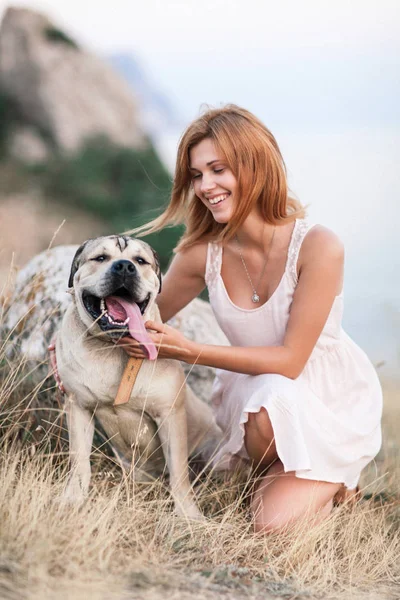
<point>119,309</point>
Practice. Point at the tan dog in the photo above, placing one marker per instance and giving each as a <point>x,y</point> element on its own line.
<point>115,283</point>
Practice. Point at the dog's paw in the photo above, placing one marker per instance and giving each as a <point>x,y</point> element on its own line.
<point>73,495</point>
<point>141,476</point>
<point>190,512</point>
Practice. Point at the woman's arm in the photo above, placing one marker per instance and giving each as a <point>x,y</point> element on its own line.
<point>320,269</point>
<point>183,281</point>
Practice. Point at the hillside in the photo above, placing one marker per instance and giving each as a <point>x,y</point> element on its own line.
<point>73,144</point>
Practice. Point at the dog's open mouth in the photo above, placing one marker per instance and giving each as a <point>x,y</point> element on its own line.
<point>119,314</point>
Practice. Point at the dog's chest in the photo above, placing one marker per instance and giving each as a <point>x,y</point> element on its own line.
<point>95,383</point>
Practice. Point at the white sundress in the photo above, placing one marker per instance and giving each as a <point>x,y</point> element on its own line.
<point>327,421</point>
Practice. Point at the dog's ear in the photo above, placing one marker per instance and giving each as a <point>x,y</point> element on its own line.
<point>75,263</point>
<point>158,268</point>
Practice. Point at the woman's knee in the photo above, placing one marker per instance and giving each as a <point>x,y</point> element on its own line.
<point>276,521</point>
<point>276,524</point>
<point>283,500</point>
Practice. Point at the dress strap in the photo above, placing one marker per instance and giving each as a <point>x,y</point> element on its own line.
<point>301,228</point>
<point>213,264</point>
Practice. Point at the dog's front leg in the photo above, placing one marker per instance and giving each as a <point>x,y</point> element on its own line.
<point>80,430</point>
<point>172,429</point>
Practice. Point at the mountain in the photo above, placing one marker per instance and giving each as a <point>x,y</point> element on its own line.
<point>73,145</point>
<point>60,91</point>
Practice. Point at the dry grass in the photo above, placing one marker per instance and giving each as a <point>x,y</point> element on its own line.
<point>126,542</point>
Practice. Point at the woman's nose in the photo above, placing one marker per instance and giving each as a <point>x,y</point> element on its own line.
<point>207,183</point>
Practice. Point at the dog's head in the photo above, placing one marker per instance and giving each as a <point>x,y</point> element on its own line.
<point>116,280</point>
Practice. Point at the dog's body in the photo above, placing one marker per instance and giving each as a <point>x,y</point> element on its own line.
<point>111,278</point>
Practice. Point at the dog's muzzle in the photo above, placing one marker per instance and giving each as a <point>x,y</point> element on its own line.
<point>120,311</point>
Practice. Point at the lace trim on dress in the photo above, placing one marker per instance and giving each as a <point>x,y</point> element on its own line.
<point>213,265</point>
<point>214,255</point>
<point>302,226</point>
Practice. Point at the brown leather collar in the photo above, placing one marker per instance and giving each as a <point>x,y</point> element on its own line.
<point>128,380</point>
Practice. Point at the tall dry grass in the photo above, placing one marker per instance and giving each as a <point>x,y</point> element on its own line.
<point>126,542</point>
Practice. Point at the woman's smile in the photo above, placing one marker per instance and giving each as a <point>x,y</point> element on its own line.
<point>213,200</point>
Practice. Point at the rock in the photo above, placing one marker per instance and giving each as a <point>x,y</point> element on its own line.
<point>40,298</point>
<point>29,224</point>
<point>27,146</point>
<point>63,91</point>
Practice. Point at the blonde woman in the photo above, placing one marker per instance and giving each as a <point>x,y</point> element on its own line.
<point>293,393</point>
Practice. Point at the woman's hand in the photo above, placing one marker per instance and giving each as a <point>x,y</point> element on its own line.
<point>170,343</point>
<point>53,365</point>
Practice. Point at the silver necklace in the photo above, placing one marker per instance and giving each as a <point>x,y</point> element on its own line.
<point>255,297</point>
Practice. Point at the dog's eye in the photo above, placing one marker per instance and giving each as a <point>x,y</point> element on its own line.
<point>100,258</point>
<point>140,260</point>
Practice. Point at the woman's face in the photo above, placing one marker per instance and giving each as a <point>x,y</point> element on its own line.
<point>213,181</point>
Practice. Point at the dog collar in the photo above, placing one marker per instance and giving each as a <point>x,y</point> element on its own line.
<point>128,380</point>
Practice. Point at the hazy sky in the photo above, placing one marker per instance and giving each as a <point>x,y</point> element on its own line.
<point>300,63</point>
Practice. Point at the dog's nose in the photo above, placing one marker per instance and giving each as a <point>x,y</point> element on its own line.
<point>123,267</point>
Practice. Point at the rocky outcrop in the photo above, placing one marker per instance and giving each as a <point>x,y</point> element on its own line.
<point>40,299</point>
<point>27,145</point>
<point>66,93</point>
<point>29,223</point>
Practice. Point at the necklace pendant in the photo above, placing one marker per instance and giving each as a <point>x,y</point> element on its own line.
<point>255,297</point>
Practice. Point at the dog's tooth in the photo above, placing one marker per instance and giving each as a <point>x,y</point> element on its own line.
<point>102,305</point>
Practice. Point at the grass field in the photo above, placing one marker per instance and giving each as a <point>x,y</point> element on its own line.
<point>125,542</point>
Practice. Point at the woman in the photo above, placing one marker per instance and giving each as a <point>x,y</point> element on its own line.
<point>295,395</point>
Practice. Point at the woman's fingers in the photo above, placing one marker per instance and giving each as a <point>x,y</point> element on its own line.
<point>168,342</point>
<point>135,349</point>
<point>131,347</point>
<point>126,341</point>
<point>53,362</point>
<point>160,327</point>
<point>135,353</point>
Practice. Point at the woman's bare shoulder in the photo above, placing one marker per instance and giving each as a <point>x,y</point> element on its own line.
<point>321,242</point>
<point>193,259</point>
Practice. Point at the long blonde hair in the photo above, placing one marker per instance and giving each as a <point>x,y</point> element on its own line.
<point>252,153</point>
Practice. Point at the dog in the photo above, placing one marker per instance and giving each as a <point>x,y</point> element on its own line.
<point>114,282</point>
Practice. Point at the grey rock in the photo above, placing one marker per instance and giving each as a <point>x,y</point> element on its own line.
<point>27,146</point>
<point>40,298</point>
<point>66,93</point>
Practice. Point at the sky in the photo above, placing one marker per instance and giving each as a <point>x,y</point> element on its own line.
<point>298,62</point>
<point>323,75</point>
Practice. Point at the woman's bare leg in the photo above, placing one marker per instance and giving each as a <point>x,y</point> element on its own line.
<point>281,498</point>
<point>259,440</point>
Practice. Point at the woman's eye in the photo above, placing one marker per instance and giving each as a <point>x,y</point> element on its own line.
<point>197,176</point>
<point>218,170</point>
<point>100,258</point>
